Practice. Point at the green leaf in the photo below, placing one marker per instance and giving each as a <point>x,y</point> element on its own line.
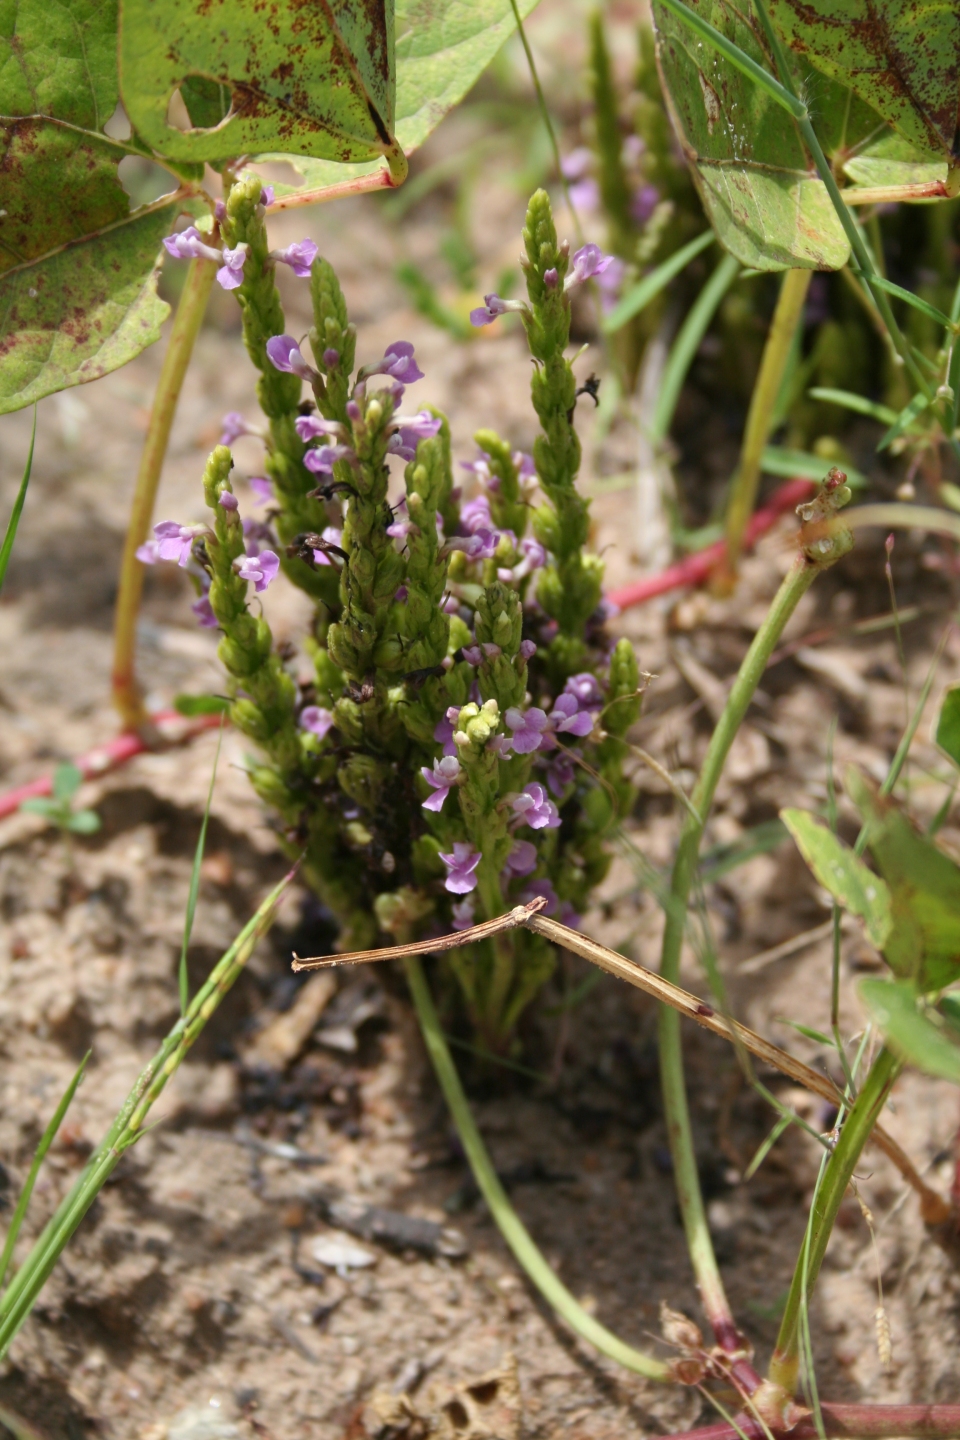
<point>192,705</point>
<point>59,57</point>
<point>308,79</point>
<point>745,151</point>
<point>902,57</point>
<point>851,883</point>
<point>888,159</point>
<point>947,734</point>
<point>78,270</point>
<point>916,301</point>
<point>40,805</point>
<point>442,48</point>
<point>924,883</point>
<point>79,312</point>
<point>910,412</point>
<point>917,1036</point>
<point>84,822</point>
<point>949,1007</point>
<point>858,403</point>
<point>645,290</point>
<point>817,1036</point>
<point>67,780</point>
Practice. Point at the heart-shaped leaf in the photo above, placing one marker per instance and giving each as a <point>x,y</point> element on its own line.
<point>917,1036</point>
<point>311,79</point>
<point>924,941</point>
<point>900,56</point>
<point>851,883</point>
<point>442,47</point>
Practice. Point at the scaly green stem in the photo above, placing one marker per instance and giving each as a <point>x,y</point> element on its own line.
<point>18,1300</point>
<point>508,1221</point>
<point>186,325</point>
<point>784,1367</point>
<point>776,353</point>
<point>712,1294</point>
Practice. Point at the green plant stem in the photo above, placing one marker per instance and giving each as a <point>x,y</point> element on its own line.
<point>687,343</point>
<point>6,550</point>
<point>127,698</point>
<point>508,1222</point>
<point>32,1275</point>
<point>784,1366</point>
<point>712,1294</point>
<point>776,353</point>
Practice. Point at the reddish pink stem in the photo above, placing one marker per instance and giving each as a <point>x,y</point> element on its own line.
<point>868,1422</point>
<point>691,571</point>
<point>111,755</point>
<point>696,568</point>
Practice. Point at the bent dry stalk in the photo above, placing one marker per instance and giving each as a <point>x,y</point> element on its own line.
<point>21,1294</point>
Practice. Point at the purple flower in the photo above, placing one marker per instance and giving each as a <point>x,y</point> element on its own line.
<point>501,745</point>
<point>299,256</point>
<point>475,515</point>
<point>266,195</point>
<point>526,469</point>
<point>262,489</point>
<point>322,460</point>
<point>584,196</point>
<point>219,212</point>
<point>531,807</point>
<point>588,261</point>
<point>172,542</point>
<point>204,613</point>
<point>550,278</point>
<point>412,429</point>
<point>261,569</point>
<point>189,244</point>
<point>461,867</point>
<point>481,468</point>
<point>443,734</point>
<point>566,717</point>
<point>584,689</point>
<point>528,648</point>
<point>229,501</point>
<point>442,777</point>
<point>562,771</point>
<point>233,425</point>
<point>544,889</point>
<point>493,306</point>
<point>230,274</point>
<point>577,163</point>
<point>316,719</point>
<point>283,352</point>
<point>311,427</point>
<point>533,557</point>
<point>645,200</point>
<point>568,916</point>
<point>528,728</point>
<point>482,545</point>
<point>398,362</point>
<point>522,860</point>
<point>331,358</point>
<point>333,536</point>
<point>462,915</point>
<point>610,283</point>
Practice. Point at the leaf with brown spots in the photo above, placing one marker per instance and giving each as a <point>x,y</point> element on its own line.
<point>900,56</point>
<point>443,46</point>
<point>310,77</point>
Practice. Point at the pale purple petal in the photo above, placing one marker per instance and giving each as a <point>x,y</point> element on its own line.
<point>528,728</point>
<point>284,354</point>
<point>522,859</point>
<point>262,489</point>
<point>266,195</point>
<point>316,719</point>
<point>204,613</point>
<point>230,275</point>
<point>462,915</point>
<point>229,501</point>
<point>461,867</point>
<point>299,256</point>
<point>311,427</point>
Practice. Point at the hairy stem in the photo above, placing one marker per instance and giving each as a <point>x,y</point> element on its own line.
<point>776,352</point>
<point>702,1257</point>
<point>508,1221</point>
<point>784,1367</point>
<point>186,325</point>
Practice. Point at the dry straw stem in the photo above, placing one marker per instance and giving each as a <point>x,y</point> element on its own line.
<point>933,1208</point>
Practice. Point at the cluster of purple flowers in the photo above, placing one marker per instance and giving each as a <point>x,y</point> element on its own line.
<point>190,244</point>
<point>588,262</point>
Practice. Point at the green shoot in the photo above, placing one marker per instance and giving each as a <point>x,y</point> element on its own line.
<point>6,549</point>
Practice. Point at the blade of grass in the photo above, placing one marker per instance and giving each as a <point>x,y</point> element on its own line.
<point>7,548</point>
<point>687,343</point>
<point>194,890</point>
<point>923,306</point>
<point>46,1141</point>
<point>649,287</point>
<point>799,464</point>
<point>858,403</point>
